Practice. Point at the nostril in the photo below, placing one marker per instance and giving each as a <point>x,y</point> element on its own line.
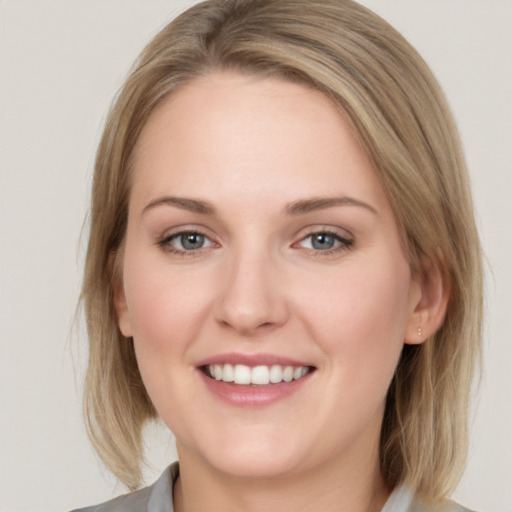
<point>249,300</point>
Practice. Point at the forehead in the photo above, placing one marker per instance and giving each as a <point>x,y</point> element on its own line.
<point>229,133</point>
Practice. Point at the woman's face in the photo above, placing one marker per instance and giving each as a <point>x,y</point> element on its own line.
<point>261,247</point>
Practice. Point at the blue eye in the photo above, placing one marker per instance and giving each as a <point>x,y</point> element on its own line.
<point>323,241</point>
<point>186,241</point>
<point>190,241</point>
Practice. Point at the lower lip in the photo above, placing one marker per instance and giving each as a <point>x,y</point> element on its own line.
<point>253,396</point>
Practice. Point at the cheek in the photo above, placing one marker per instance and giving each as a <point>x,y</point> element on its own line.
<point>360,327</point>
<point>361,317</point>
<point>166,313</point>
<point>160,300</point>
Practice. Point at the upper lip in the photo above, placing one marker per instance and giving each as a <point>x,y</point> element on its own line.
<point>251,360</point>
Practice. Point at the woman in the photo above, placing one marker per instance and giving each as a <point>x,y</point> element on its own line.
<point>283,266</point>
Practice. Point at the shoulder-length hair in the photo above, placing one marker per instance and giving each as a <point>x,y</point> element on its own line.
<point>388,94</point>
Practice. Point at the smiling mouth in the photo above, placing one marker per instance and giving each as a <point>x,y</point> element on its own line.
<point>241,374</point>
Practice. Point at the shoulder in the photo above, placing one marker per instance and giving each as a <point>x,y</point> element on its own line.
<point>156,497</point>
<point>448,506</point>
<point>459,508</point>
<point>403,500</point>
<point>127,503</point>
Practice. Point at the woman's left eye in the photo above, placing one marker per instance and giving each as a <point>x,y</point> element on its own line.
<point>186,242</point>
<point>324,241</point>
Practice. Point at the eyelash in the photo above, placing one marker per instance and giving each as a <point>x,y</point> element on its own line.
<point>166,243</point>
<point>343,244</point>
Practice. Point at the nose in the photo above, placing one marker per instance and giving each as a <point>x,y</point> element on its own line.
<point>251,299</point>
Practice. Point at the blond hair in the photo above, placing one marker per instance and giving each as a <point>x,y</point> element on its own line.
<point>384,88</point>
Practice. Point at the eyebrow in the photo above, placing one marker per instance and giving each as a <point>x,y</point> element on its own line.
<point>310,205</point>
<point>294,208</point>
<point>192,205</point>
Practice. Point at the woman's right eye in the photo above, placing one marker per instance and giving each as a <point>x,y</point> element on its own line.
<point>186,242</point>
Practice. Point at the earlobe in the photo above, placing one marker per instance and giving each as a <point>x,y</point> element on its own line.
<point>430,308</point>
<point>122,313</point>
<point>120,303</point>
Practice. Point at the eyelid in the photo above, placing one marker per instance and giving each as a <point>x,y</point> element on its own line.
<point>164,240</point>
<point>324,228</point>
<point>344,238</point>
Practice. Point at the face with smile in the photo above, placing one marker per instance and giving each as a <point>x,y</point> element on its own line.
<point>263,278</point>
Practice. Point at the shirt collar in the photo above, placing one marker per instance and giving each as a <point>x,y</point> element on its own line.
<point>160,499</point>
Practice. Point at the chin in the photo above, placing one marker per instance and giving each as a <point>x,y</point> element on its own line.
<point>257,468</point>
<point>252,457</point>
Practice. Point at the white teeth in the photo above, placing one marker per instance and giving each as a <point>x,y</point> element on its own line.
<point>288,374</point>
<point>257,375</point>
<point>228,374</point>
<point>242,374</point>
<point>260,375</point>
<point>276,373</point>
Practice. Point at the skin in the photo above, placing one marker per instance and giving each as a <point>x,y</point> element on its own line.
<point>250,148</point>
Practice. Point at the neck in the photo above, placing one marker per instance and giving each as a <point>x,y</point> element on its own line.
<point>349,487</point>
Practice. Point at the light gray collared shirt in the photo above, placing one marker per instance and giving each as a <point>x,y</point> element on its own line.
<point>158,498</point>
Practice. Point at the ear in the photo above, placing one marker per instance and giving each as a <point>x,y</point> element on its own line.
<point>429,307</point>
<point>120,303</point>
<point>121,308</point>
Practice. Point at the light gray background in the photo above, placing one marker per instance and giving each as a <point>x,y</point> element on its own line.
<point>61,63</point>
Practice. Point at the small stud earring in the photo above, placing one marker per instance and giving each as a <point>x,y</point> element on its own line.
<point>420,333</point>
